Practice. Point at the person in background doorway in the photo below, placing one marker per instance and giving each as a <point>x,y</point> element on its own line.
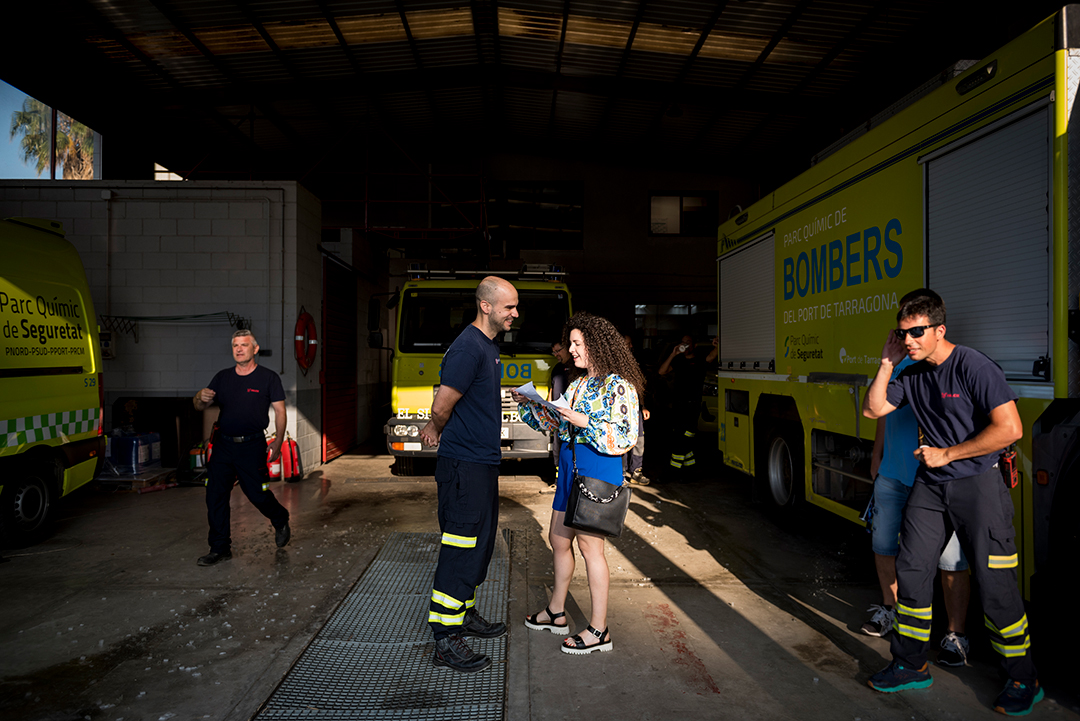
<point>557,383</point>
<point>687,369</point>
<point>560,372</point>
<point>466,423</point>
<point>632,461</point>
<point>245,394</point>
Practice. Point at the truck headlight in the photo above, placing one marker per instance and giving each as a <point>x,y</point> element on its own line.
<point>414,431</point>
<point>401,430</point>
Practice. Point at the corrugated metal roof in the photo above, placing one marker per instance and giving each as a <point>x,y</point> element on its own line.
<point>723,80</point>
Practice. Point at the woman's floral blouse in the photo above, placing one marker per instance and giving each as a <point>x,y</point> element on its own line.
<point>611,405</point>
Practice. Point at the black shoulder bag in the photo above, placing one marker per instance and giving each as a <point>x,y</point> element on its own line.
<point>595,506</point>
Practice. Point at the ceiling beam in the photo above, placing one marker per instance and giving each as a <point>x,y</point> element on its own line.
<point>457,77</point>
<point>558,67</point>
<point>722,111</point>
<point>432,107</point>
<point>601,125</point>
<point>676,86</point>
<point>267,111</point>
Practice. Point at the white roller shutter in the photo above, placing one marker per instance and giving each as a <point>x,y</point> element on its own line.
<point>747,313</point>
<point>989,242</point>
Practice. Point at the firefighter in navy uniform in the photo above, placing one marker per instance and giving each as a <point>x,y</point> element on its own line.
<point>245,394</point>
<point>466,422</point>
<point>967,414</point>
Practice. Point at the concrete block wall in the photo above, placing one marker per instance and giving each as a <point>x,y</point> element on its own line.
<point>192,249</point>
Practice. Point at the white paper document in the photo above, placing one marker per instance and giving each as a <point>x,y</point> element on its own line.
<point>529,391</point>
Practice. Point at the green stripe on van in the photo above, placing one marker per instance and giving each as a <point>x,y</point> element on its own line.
<point>33,429</point>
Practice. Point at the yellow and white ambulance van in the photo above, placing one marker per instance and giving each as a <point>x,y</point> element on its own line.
<point>51,397</point>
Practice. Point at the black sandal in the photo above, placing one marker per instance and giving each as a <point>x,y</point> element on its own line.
<point>580,649</point>
<point>536,625</point>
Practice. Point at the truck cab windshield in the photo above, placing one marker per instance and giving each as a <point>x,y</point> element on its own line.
<point>432,319</point>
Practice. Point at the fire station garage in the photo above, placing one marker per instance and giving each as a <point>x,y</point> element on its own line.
<point>741,188</point>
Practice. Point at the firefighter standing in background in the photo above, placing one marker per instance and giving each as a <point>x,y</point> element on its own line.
<point>245,394</point>
<point>466,423</point>
<point>689,377</point>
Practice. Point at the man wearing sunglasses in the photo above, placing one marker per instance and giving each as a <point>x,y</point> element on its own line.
<point>966,414</point>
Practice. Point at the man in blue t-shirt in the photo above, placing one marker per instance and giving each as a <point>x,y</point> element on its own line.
<point>967,414</point>
<point>466,425</point>
<point>245,394</point>
<point>893,467</point>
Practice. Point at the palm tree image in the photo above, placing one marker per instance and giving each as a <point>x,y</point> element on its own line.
<point>74,141</point>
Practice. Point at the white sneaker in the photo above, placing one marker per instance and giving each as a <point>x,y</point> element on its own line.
<point>880,624</point>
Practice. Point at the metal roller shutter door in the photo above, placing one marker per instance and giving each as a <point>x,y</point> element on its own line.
<point>747,305</point>
<point>989,241</point>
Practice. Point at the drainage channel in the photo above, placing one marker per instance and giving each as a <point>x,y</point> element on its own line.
<point>372,659</point>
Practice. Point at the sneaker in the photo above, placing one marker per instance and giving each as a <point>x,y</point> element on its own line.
<point>211,558</point>
<point>638,478</point>
<point>881,622</point>
<point>1017,699</point>
<point>954,650</point>
<point>454,653</point>
<point>476,626</point>
<point>898,677</point>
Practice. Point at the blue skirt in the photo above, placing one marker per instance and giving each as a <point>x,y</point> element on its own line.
<point>590,463</point>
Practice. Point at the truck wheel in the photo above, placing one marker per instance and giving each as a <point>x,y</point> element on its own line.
<point>26,508</point>
<point>404,466</point>
<point>783,469</point>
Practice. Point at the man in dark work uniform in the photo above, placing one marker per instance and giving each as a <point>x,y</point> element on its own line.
<point>466,422</point>
<point>245,394</point>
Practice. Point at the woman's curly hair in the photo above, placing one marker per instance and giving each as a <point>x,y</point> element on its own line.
<point>608,352</point>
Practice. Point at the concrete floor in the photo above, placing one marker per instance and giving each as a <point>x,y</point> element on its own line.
<point>717,609</point>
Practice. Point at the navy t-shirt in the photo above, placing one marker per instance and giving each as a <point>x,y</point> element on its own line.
<point>245,400</point>
<point>472,367</point>
<point>952,403</point>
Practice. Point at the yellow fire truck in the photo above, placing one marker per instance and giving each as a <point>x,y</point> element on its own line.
<point>433,308</point>
<point>965,190</point>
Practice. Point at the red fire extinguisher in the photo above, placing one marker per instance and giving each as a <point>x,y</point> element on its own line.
<point>293,458</point>
<point>273,467</point>
<point>286,459</point>
<point>298,473</point>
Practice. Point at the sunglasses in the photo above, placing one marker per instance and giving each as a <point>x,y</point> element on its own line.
<point>916,332</point>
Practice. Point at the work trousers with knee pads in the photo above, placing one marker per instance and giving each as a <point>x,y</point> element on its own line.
<point>468,519</point>
<point>980,510</point>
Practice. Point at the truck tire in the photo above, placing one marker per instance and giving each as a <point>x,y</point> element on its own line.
<point>404,466</point>
<point>26,506</point>
<point>783,469</point>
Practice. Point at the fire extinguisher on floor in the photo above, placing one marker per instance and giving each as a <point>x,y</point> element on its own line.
<point>273,467</point>
<point>290,454</point>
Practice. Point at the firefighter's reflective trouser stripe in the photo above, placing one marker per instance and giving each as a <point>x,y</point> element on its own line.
<point>682,442</point>
<point>980,509</point>
<point>246,463</point>
<point>468,518</point>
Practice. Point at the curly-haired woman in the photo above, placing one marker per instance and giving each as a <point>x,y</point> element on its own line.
<point>603,422</point>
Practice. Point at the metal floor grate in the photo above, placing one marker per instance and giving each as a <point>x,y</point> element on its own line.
<point>372,659</point>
